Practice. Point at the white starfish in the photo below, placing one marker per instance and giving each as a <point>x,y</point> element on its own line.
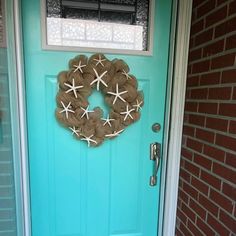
<point>66,109</point>
<point>99,79</point>
<point>138,105</point>
<point>117,94</point>
<point>86,112</point>
<point>78,67</point>
<point>127,113</point>
<point>89,140</point>
<point>74,130</point>
<point>114,134</point>
<point>126,74</point>
<point>107,121</point>
<point>73,87</point>
<point>99,60</point>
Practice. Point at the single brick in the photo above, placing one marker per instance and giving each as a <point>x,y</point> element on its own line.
<point>205,135</point>
<point>217,124</point>
<point>196,120</point>
<point>201,186</point>
<point>232,127</point>
<point>230,159</point>
<point>204,37</point>
<point>208,108</point>
<point>230,42</point>
<point>218,227</point>
<point>188,130</point>
<point>208,204</point>
<point>226,141</point>
<point>192,81</point>
<point>210,179</point>
<point>229,190</point>
<point>210,78</point>
<point>223,61</point>
<point>228,221</point>
<point>205,228</point>
<point>220,93</point>
<point>225,27</point>
<point>202,161</point>
<point>195,145</point>
<point>227,109</point>
<point>216,16</point>
<point>224,172</point>
<point>214,152</point>
<point>229,76</point>
<point>199,93</point>
<point>202,66</point>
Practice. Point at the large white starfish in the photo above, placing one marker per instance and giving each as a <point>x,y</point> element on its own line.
<point>66,109</point>
<point>99,60</point>
<point>74,130</point>
<point>86,112</point>
<point>78,67</point>
<point>107,121</point>
<point>114,134</point>
<point>138,105</point>
<point>117,94</point>
<point>73,87</point>
<point>89,140</point>
<point>99,79</point>
<point>126,74</point>
<point>127,113</point>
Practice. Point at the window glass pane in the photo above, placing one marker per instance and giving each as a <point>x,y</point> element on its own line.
<point>114,24</point>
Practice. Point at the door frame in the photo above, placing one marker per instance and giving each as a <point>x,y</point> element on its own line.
<point>177,73</point>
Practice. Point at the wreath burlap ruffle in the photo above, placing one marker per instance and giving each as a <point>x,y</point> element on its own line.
<point>118,87</point>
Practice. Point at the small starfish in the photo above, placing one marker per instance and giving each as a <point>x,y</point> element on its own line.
<point>138,105</point>
<point>114,134</point>
<point>78,67</point>
<point>89,140</point>
<point>66,109</point>
<point>86,112</point>
<point>117,94</point>
<point>127,113</point>
<point>73,87</point>
<point>99,79</point>
<point>126,74</point>
<point>99,60</point>
<point>107,121</point>
<point>74,130</point>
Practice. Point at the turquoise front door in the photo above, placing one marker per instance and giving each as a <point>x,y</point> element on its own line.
<point>81,191</point>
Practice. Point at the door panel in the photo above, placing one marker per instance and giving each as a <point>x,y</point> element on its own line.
<point>81,191</point>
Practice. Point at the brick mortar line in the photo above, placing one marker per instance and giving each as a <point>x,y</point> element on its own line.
<point>210,130</point>
<point>213,56</point>
<point>208,100</point>
<point>214,70</point>
<point>220,85</point>
<point>199,192</point>
<point>214,145</point>
<point>217,116</point>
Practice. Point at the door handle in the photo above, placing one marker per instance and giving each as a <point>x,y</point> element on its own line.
<point>155,156</point>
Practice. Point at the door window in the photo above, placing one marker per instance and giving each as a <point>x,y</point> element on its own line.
<point>97,24</point>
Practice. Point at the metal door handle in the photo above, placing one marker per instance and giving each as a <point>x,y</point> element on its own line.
<point>155,155</point>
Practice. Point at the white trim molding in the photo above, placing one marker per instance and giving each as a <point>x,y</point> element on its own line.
<point>176,117</point>
<point>18,116</point>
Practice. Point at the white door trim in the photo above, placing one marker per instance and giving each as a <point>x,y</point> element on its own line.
<point>174,120</point>
<point>173,152</point>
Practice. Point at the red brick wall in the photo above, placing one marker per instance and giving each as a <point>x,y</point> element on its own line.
<point>207,186</point>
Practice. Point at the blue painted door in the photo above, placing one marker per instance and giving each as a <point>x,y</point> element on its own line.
<point>81,191</point>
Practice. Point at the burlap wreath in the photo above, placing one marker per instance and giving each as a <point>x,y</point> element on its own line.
<point>118,87</point>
